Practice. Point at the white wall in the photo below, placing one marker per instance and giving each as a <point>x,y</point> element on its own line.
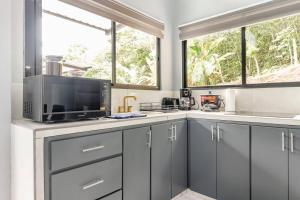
<point>17,57</point>
<point>5,88</point>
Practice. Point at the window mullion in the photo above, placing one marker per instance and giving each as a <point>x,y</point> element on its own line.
<point>158,63</point>
<point>244,57</point>
<point>114,56</point>
<point>184,64</point>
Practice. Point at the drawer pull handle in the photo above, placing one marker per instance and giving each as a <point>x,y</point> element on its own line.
<point>92,149</point>
<point>88,186</point>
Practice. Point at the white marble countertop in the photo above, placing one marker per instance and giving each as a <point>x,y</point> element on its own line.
<point>47,130</point>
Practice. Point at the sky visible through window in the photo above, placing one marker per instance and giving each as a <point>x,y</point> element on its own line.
<point>78,44</point>
<point>84,41</point>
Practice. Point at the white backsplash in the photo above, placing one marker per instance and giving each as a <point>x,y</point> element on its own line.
<point>117,98</point>
<point>143,96</point>
<point>271,100</point>
<point>277,100</point>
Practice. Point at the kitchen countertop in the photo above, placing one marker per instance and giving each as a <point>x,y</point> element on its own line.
<point>47,130</point>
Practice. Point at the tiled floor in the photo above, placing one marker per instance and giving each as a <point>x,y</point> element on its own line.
<point>190,195</point>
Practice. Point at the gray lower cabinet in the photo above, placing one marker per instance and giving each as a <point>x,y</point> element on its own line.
<point>233,162</point>
<point>219,165</point>
<point>89,182</point>
<point>155,161</point>
<point>202,157</point>
<point>270,163</point>
<point>179,158</point>
<point>75,151</point>
<point>136,164</point>
<point>294,164</point>
<point>161,155</point>
<point>160,161</point>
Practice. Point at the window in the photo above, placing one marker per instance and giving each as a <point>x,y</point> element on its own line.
<point>136,57</point>
<point>214,59</point>
<point>90,46</point>
<point>83,40</point>
<point>263,54</point>
<point>273,51</point>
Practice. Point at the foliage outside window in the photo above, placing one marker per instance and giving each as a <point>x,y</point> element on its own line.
<point>273,51</point>
<point>85,43</point>
<point>270,54</point>
<point>214,59</point>
<point>136,57</point>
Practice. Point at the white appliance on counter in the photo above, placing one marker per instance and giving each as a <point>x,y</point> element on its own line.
<point>230,101</point>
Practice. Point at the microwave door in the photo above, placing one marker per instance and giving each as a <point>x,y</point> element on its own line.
<point>87,98</point>
<point>67,98</point>
<point>58,99</point>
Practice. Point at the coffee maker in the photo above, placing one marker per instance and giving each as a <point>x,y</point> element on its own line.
<point>186,101</point>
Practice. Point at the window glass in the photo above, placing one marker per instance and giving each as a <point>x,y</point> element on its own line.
<point>79,40</point>
<point>136,57</point>
<point>273,51</point>
<point>214,59</point>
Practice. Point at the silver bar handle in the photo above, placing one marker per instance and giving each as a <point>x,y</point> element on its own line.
<point>283,141</point>
<point>149,138</point>
<point>212,132</point>
<point>292,142</point>
<point>171,137</point>
<point>93,184</point>
<point>172,133</point>
<point>175,132</point>
<point>95,148</point>
<point>218,134</point>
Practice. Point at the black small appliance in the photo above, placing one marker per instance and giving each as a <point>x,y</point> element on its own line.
<point>186,99</point>
<point>168,102</point>
<point>56,98</point>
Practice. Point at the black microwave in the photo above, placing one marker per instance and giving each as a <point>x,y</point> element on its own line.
<point>48,98</point>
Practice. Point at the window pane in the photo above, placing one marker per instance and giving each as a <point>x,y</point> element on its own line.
<point>273,51</point>
<point>214,59</point>
<point>81,40</point>
<point>136,57</point>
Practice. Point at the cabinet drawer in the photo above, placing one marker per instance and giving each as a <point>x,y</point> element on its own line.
<point>114,196</point>
<point>89,182</point>
<point>70,152</point>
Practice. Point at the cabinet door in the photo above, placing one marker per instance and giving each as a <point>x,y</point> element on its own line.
<point>161,154</point>
<point>269,163</point>
<point>202,157</point>
<point>136,164</point>
<point>179,158</point>
<point>233,162</point>
<point>294,165</point>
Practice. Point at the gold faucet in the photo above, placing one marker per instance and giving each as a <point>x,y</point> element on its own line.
<point>126,108</point>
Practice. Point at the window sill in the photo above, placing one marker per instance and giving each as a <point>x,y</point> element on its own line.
<point>249,86</point>
<point>136,87</point>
